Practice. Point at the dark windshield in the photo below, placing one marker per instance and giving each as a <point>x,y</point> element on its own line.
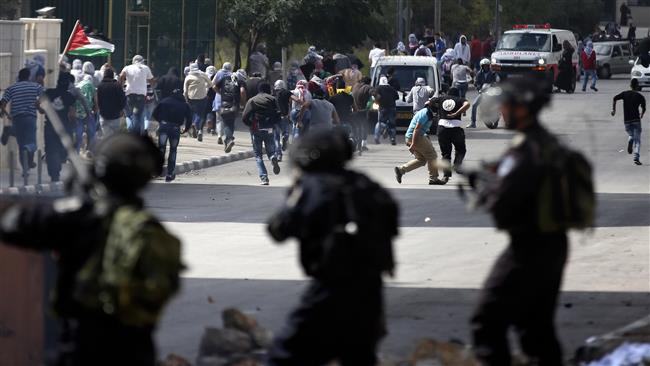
<point>525,42</point>
<point>408,74</point>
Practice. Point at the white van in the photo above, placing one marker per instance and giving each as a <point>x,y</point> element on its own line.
<point>407,69</point>
<point>532,49</point>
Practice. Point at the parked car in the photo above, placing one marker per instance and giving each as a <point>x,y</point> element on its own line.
<point>613,57</point>
<point>641,73</point>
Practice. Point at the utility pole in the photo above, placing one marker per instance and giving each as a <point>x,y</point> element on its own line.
<point>437,17</point>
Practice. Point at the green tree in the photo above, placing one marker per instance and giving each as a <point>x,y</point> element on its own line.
<point>249,21</point>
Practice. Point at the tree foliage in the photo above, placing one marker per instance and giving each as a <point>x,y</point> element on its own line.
<point>332,24</point>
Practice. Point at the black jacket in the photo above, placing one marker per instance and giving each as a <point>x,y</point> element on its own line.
<point>168,83</point>
<point>261,112</point>
<point>173,109</point>
<point>110,98</point>
<point>386,96</point>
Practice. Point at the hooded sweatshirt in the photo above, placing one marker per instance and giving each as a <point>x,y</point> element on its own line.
<point>196,84</point>
<point>463,50</point>
<point>169,82</point>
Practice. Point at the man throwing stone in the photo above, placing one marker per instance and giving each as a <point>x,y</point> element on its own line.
<point>420,146</point>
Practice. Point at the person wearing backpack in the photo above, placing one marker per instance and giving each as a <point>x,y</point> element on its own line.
<point>262,116</point>
<point>117,265</point>
<point>345,224</point>
<point>231,88</point>
<point>632,102</point>
<point>537,191</point>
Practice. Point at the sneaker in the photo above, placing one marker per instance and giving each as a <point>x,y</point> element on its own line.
<point>446,179</point>
<point>276,166</point>
<point>214,132</point>
<point>594,88</point>
<point>229,146</point>
<point>220,141</point>
<point>199,138</point>
<point>393,142</point>
<point>437,182</point>
<point>377,142</point>
<point>471,125</point>
<point>264,181</point>
<point>637,162</point>
<point>629,146</point>
<point>584,90</point>
<point>170,178</point>
<point>398,175</point>
<point>285,143</point>
<point>193,132</point>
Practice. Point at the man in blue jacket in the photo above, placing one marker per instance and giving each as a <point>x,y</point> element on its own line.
<point>172,113</point>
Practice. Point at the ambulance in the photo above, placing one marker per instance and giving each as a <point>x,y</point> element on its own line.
<point>532,49</point>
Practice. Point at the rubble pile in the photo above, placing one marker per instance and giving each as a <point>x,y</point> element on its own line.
<point>241,342</point>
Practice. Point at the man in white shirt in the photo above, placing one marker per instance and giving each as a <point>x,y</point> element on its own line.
<point>136,77</point>
<point>195,90</point>
<point>462,50</point>
<point>374,56</point>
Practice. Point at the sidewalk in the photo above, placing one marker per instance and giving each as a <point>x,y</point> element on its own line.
<point>192,155</point>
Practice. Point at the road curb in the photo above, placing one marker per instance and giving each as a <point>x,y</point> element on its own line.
<point>181,168</point>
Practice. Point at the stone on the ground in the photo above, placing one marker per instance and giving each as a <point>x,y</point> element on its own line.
<point>262,338</point>
<point>225,342</point>
<point>235,319</point>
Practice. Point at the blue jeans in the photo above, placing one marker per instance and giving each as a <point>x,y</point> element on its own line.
<point>263,139</point>
<point>477,102</point>
<point>633,130</point>
<point>91,126</point>
<point>281,132</point>
<point>135,113</point>
<point>594,78</point>
<point>229,128</point>
<point>462,88</point>
<point>172,133</point>
<point>24,128</point>
<point>198,108</point>
<point>148,111</point>
<point>306,117</point>
<point>386,120</point>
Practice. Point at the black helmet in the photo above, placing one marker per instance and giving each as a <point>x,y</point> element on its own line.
<point>125,162</point>
<point>323,150</point>
<point>525,90</point>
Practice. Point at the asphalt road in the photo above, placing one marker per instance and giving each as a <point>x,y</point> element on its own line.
<point>220,214</point>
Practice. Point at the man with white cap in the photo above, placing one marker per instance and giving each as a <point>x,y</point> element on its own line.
<point>195,90</point>
<point>419,94</point>
<point>218,83</point>
<point>136,77</point>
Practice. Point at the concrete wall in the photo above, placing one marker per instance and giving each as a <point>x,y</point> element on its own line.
<point>21,40</point>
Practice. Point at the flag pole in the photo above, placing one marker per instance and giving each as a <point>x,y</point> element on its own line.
<point>67,45</point>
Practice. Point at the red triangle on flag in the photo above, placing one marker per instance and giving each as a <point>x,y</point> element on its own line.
<point>78,39</point>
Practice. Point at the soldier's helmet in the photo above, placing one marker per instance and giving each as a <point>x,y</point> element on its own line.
<point>124,163</point>
<point>322,150</point>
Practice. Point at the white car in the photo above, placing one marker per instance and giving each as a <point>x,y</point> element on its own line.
<point>641,73</point>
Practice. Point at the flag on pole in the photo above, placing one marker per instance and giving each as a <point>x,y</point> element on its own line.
<point>82,45</point>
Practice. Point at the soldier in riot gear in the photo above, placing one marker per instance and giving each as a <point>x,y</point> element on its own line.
<point>117,265</point>
<point>521,193</point>
<point>345,224</point>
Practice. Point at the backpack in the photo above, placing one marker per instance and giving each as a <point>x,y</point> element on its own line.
<point>230,94</point>
<point>133,274</point>
<point>567,198</point>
